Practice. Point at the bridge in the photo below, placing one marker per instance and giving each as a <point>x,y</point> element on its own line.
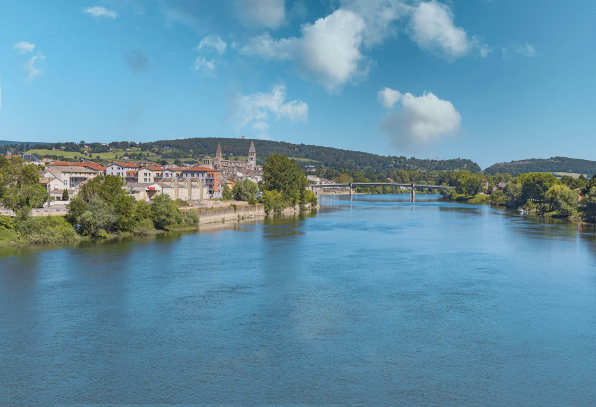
<point>353,185</point>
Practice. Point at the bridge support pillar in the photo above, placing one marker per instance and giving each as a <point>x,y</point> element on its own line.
<point>413,194</point>
<point>351,190</point>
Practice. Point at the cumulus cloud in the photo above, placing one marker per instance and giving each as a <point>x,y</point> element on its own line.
<point>388,97</point>
<point>30,69</point>
<point>212,41</point>
<point>23,47</point>
<point>526,50</point>
<point>99,11</point>
<point>420,121</point>
<point>431,27</point>
<point>256,109</point>
<point>328,50</point>
<point>203,66</point>
<point>136,60</point>
<point>261,13</point>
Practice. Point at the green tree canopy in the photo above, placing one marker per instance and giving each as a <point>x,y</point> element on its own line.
<point>245,190</point>
<point>20,190</point>
<point>283,175</point>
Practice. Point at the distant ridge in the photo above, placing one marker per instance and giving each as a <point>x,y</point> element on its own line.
<point>553,164</point>
<point>31,143</point>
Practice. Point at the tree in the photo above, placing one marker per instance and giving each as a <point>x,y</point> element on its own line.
<point>20,190</point>
<point>535,185</point>
<point>245,190</point>
<point>513,195</point>
<point>284,175</point>
<point>343,178</point>
<point>561,199</point>
<point>177,163</point>
<point>65,196</point>
<point>469,185</point>
<point>226,193</point>
<point>497,197</point>
<point>164,212</point>
<point>588,205</point>
<point>273,200</point>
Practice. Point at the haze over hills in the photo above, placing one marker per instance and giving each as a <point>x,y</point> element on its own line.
<point>553,164</point>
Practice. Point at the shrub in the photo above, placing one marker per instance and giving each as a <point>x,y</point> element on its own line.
<point>226,193</point>
<point>273,201</point>
<point>144,227</point>
<point>192,218</point>
<point>244,190</point>
<point>46,229</point>
<point>233,205</point>
<point>308,197</point>
<point>164,212</point>
<point>181,203</point>
<point>497,197</point>
<point>7,223</point>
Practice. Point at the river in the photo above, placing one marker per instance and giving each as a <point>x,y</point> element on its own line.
<point>370,301</point>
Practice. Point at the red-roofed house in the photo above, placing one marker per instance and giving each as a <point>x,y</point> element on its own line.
<point>120,169</point>
<point>149,173</point>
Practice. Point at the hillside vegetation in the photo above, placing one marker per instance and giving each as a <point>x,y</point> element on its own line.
<point>553,164</point>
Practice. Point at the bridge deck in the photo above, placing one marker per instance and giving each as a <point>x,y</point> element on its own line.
<point>380,184</point>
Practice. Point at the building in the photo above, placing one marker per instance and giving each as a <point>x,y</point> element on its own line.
<point>120,169</point>
<point>220,163</point>
<point>92,165</point>
<point>171,173</point>
<point>186,189</point>
<point>51,183</point>
<point>149,173</point>
<point>71,176</point>
<point>208,176</point>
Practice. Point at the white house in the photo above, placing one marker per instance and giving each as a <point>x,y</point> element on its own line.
<point>149,173</point>
<point>71,176</point>
<point>120,169</point>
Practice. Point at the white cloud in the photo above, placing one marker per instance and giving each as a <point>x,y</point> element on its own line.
<point>23,47</point>
<point>99,11</point>
<point>213,41</point>
<point>205,67</point>
<point>388,97</point>
<point>329,49</point>
<point>421,121</point>
<point>380,17</point>
<point>255,109</point>
<point>30,70</point>
<point>526,50</point>
<point>432,28</point>
<point>261,13</point>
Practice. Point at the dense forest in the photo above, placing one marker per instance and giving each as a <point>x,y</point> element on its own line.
<point>321,157</point>
<point>306,154</point>
<point>553,164</point>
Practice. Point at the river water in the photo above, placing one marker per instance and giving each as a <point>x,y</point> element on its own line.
<point>373,301</point>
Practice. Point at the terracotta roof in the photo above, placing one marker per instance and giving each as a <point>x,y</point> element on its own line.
<point>149,167</point>
<point>45,180</point>
<point>199,169</point>
<point>73,168</point>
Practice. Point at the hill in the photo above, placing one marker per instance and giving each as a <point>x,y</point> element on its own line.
<point>553,164</point>
<point>305,154</point>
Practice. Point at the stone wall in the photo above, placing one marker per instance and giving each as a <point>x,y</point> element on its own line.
<point>231,215</point>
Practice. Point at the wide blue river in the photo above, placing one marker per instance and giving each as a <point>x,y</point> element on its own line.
<point>371,301</point>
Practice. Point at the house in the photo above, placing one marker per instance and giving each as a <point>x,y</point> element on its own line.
<point>70,175</point>
<point>484,184</point>
<point>132,176</point>
<point>51,183</point>
<point>171,173</point>
<point>92,165</point>
<point>149,173</point>
<point>120,169</point>
<point>31,158</point>
<point>186,189</point>
<point>313,179</point>
<point>502,185</point>
<point>208,176</point>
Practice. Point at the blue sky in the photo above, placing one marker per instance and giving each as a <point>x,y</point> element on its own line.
<point>487,80</point>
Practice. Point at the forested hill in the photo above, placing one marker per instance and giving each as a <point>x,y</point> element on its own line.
<point>553,164</point>
<point>315,155</point>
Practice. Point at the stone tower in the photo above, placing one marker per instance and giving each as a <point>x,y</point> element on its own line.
<point>252,155</point>
<point>207,162</point>
<point>218,157</point>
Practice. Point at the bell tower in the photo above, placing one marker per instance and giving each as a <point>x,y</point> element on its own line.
<point>217,160</point>
<point>252,155</point>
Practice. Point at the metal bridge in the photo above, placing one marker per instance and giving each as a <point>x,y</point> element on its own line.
<point>353,185</point>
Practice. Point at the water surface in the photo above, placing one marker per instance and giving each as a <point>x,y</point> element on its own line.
<point>374,301</point>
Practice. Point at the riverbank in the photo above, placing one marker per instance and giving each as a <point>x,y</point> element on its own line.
<point>53,229</point>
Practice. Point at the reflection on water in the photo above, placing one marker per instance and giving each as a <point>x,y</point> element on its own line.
<point>373,301</point>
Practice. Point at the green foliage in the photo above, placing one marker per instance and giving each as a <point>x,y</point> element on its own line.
<point>252,200</point>
<point>308,197</point>
<point>46,229</point>
<point>181,203</point>
<point>20,190</point>
<point>234,206</point>
<point>343,178</point>
<point>98,218</point>
<point>273,201</point>
<point>553,164</point>
<point>142,211</point>
<point>164,212</point>
<point>65,196</point>
<point>144,227</point>
<point>562,199</point>
<point>191,218</point>
<point>513,195</point>
<point>588,205</point>
<point>284,175</point>
<point>497,197</point>
<point>226,193</point>
<point>7,223</point>
<point>469,185</point>
<point>245,190</point>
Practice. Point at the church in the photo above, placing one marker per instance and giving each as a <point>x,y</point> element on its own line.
<point>219,163</point>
